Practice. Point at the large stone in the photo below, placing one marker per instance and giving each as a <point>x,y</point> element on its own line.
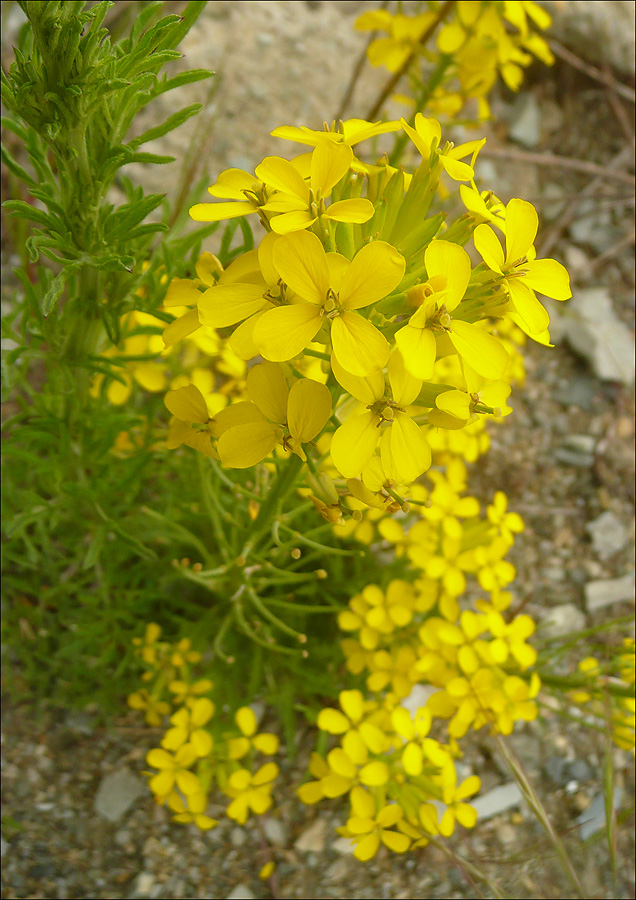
<point>599,594</point>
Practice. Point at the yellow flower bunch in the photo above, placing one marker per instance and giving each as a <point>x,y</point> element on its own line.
<point>476,43</point>
<point>608,690</point>
<point>196,751</point>
<point>370,286</point>
<point>398,778</point>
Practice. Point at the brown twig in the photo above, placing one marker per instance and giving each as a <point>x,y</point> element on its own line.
<point>569,214</point>
<point>627,125</point>
<point>577,63</point>
<point>564,162</point>
<point>348,94</point>
<point>391,84</point>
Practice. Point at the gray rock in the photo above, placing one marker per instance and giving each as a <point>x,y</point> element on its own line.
<point>579,391</point>
<point>592,819</point>
<point>608,534</point>
<point>562,620</point>
<point>556,769</point>
<point>4,846</point>
<point>274,831</point>
<point>579,770</point>
<point>577,450</point>
<point>577,262</point>
<point>144,885</point>
<point>599,594</point>
<point>600,32</point>
<point>498,800</point>
<point>117,793</point>
<point>525,121</point>
<point>589,324</point>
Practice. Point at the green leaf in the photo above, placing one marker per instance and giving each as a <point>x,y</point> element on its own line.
<point>55,291</point>
<point>15,167</point>
<point>170,124</point>
<point>22,210</point>
<point>169,84</point>
<point>150,158</point>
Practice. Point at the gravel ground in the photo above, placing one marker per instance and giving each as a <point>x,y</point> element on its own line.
<point>565,458</point>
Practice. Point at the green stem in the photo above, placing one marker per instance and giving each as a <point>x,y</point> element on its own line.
<point>279,490</point>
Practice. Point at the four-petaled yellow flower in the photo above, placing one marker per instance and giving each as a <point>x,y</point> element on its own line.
<point>329,290</point>
<point>521,272</point>
<point>275,414</point>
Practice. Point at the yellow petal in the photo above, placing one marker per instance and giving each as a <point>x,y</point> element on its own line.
<point>549,277</point>
<point>182,292</point>
<point>187,404</point>
<point>300,261</point>
<point>289,222</point>
<point>481,350</point>
<point>181,327</point>
<point>375,271</point>
<point>366,389</point>
<point>226,304</point>
<point>404,386</point>
<point>280,175</point>
<point>231,183</point>
<point>245,445</point>
<point>308,409</point>
<point>526,304</point>
<point>216,212</point>
<point>522,224</point>
<point>357,344</point>
<point>418,349</point>
<point>267,388</point>
<point>356,210</point>
<point>208,268</point>
<point>329,162</point>
<point>284,332</point>
<point>237,414</point>
<point>452,261</point>
<point>353,444</point>
<point>459,171</point>
<point>488,246</point>
<point>409,450</point>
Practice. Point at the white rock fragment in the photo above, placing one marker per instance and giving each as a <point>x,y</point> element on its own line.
<point>612,590</point>
<point>497,800</point>
<point>562,620</point>
<point>312,840</point>
<point>343,845</point>
<point>591,327</point>
<point>608,534</point>
<point>117,793</point>
<point>240,892</point>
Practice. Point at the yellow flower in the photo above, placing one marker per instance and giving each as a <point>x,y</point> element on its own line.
<point>173,770</point>
<point>155,709</point>
<point>404,451</point>
<point>448,269</point>
<point>265,743</point>
<point>350,132</point>
<point>276,414</point>
<point>404,36</point>
<point>427,136</point>
<point>251,793</point>
<point>188,728</point>
<point>191,420</point>
<point>368,828</point>
<point>521,272</point>
<point>301,204</point>
<point>330,289</point>
<point>192,810</point>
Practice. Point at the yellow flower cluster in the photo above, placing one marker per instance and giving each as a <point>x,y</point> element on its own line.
<point>402,784</point>
<point>220,756</point>
<point>479,41</point>
<point>357,303</point>
<point>608,690</point>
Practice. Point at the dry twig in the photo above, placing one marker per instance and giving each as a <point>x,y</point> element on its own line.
<point>577,63</point>
<point>564,162</point>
